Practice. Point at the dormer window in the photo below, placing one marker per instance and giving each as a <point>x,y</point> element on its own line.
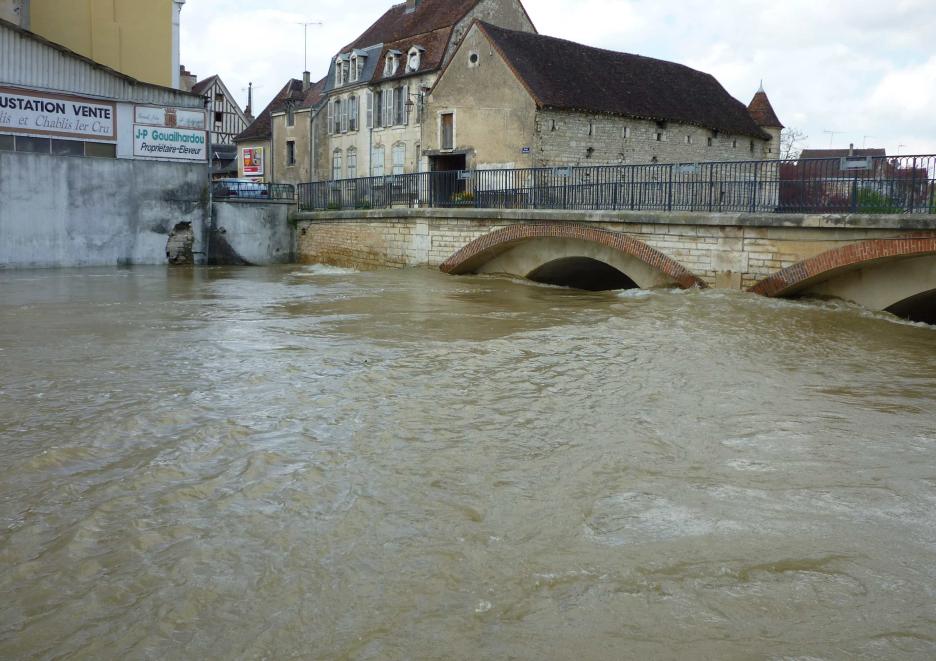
<point>354,68</point>
<point>413,59</point>
<point>391,63</point>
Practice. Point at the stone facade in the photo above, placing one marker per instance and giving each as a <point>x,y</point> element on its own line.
<point>573,138</point>
<point>296,164</point>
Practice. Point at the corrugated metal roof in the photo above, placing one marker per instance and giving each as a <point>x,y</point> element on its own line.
<point>28,60</point>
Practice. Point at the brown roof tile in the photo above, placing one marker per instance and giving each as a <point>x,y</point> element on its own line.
<point>762,112</point>
<point>202,86</point>
<point>397,24</point>
<point>841,153</point>
<point>566,75</point>
<point>434,43</point>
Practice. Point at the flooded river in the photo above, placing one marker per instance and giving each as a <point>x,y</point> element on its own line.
<point>306,462</point>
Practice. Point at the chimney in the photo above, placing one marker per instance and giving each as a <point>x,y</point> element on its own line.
<point>306,81</point>
<point>851,149</point>
<point>186,79</point>
<point>411,5</point>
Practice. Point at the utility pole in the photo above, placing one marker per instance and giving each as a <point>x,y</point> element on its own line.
<point>305,34</point>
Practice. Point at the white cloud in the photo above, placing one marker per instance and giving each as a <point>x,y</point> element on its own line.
<point>860,67</point>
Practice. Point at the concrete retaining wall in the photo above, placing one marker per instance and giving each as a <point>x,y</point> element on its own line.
<point>250,232</point>
<point>58,211</point>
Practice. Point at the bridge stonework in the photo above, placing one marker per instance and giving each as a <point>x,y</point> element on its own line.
<point>736,251</point>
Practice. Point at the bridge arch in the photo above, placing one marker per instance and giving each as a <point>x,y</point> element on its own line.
<point>897,275</point>
<point>570,253</point>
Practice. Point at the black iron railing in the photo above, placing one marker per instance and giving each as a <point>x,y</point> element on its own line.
<point>249,190</point>
<point>903,184</point>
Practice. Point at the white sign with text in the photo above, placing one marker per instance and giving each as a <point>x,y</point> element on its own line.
<point>177,144</point>
<point>47,114</point>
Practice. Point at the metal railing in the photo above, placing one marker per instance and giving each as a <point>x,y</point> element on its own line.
<point>227,189</point>
<point>903,184</point>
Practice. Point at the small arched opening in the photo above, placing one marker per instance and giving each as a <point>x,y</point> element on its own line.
<point>581,273</point>
<point>919,308</point>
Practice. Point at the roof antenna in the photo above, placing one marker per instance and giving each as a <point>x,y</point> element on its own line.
<point>305,33</point>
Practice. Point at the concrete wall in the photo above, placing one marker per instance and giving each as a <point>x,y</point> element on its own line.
<point>725,250</point>
<point>250,232</point>
<point>493,112</point>
<point>70,211</point>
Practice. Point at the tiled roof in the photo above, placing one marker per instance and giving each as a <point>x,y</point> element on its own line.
<point>398,24</point>
<point>841,153</point>
<point>565,75</point>
<point>262,127</point>
<point>762,112</point>
<point>202,86</point>
<point>434,45</point>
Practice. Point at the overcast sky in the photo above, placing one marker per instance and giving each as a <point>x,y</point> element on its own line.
<point>865,69</point>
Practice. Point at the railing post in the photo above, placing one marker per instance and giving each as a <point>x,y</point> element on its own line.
<point>754,192</point>
<point>669,194</point>
<point>913,185</point>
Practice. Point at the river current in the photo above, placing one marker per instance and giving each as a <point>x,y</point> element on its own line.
<point>309,462</point>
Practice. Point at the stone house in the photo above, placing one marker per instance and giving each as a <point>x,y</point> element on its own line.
<point>514,99</point>
<point>296,134</point>
<point>372,122</point>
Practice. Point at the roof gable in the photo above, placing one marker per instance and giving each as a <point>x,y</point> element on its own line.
<point>565,75</point>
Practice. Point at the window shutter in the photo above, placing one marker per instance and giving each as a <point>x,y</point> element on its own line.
<point>370,109</point>
<point>405,107</point>
<point>344,117</point>
<point>331,117</point>
<point>388,107</point>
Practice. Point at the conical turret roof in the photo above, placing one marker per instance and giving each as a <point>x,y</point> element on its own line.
<point>762,112</point>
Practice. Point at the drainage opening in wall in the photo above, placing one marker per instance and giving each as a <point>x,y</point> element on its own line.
<point>581,273</point>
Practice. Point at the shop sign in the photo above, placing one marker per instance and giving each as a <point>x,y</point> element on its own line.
<point>253,161</point>
<point>182,118</point>
<point>173,143</point>
<point>24,111</point>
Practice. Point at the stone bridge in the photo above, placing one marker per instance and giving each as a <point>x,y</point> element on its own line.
<point>884,262</point>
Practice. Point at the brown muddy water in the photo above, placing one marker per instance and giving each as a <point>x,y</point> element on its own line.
<point>312,463</point>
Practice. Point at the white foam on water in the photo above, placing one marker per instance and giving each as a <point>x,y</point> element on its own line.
<point>324,269</point>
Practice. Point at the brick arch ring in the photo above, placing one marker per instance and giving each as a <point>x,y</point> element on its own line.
<point>840,260</point>
<point>490,245</point>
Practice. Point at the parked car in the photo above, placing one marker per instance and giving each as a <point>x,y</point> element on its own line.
<point>244,188</point>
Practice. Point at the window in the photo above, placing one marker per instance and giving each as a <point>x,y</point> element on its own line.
<point>473,59</point>
<point>659,136</point>
<point>354,67</point>
<point>32,145</point>
<point>447,130</point>
<point>391,64</point>
<point>67,148</point>
<point>290,152</point>
<point>352,163</point>
<point>290,115</point>
<point>219,100</point>
<point>752,146</point>
<point>338,72</point>
<point>734,144</point>
<point>353,113</point>
<point>377,161</point>
<point>345,105</point>
<point>709,141</point>
<point>413,58</point>
<point>7,143</point>
<point>400,95</point>
<point>100,150</point>
<point>219,117</point>
<point>626,132</point>
<point>591,128</point>
<point>399,157</point>
<point>688,139</point>
<point>336,164</point>
<point>387,110</point>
